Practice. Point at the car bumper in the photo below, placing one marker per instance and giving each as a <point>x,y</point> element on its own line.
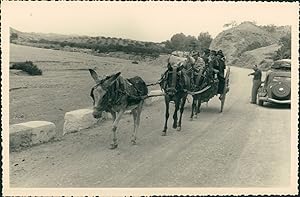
<point>274,100</point>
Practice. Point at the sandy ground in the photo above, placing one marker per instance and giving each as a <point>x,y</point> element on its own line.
<point>66,83</point>
<point>245,146</point>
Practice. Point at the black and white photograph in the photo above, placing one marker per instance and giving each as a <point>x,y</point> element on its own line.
<point>149,98</point>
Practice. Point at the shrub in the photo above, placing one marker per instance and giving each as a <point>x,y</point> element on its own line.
<point>269,28</point>
<point>253,45</point>
<point>284,52</point>
<point>28,67</point>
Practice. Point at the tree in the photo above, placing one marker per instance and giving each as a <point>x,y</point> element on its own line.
<point>204,40</point>
<point>191,43</point>
<point>13,36</point>
<point>178,41</point>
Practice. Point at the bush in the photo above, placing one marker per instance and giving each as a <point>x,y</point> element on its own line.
<point>28,67</point>
<point>284,52</point>
<point>252,46</point>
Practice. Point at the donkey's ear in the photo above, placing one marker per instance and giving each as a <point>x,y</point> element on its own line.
<point>114,77</point>
<point>94,75</point>
<point>117,74</point>
<point>111,80</point>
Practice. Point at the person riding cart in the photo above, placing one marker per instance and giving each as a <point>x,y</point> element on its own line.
<point>205,56</point>
<point>198,67</point>
<point>222,67</point>
<point>213,63</point>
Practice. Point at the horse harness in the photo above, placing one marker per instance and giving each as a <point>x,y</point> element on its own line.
<point>115,93</point>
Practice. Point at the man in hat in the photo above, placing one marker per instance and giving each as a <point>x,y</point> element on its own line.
<point>198,68</point>
<point>256,83</point>
<point>213,62</point>
<point>199,62</point>
<point>205,56</point>
<point>222,66</point>
<point>221,60</point>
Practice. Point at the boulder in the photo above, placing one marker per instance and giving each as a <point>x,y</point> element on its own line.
<point>151,100</point>
<point>30,133</point>
<point>240,42</point>
<point>78,120</point>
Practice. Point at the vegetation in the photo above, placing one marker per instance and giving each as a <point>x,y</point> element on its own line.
<point>252,46</point>
<point>182,42</point>
<point>102,44</point>
<point>148,49</point>
<point>28,67</point>
<point>284,52</point>
<point>13,37</point>
<point>269,28</point>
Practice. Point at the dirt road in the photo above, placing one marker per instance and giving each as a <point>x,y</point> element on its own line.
<point>246,145</point>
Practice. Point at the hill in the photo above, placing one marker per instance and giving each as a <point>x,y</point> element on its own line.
<point>248,44</point>
<point>98,45</point>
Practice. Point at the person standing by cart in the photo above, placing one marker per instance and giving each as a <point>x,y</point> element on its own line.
<point>256,83</point>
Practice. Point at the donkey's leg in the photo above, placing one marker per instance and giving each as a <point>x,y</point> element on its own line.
<point>175,118</point>
<point>137,122</point>
<point>199,105</point>
<point>135,115</point>
<point>193,107</point>
<point>167,102</point>
<point>114,143</point>
<point>113,115</point>
<point>181,112</point>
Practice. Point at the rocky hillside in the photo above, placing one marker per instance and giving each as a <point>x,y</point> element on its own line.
<point>248,44</point>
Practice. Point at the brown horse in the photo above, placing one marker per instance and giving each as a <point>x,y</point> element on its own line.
<point>115,95</point>
<point>175,85</point>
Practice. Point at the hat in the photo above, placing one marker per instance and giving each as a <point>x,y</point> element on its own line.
<point>254,66</point>
<point>206,51</point>
<point>194,53</point>
<point>213,52</point>
<point>220,52</point>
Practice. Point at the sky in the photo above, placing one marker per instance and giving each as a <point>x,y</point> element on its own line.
<point>144,21</point>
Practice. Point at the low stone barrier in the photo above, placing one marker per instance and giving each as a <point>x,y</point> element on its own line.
<point>78,120</point>
<point>37,132</point>
<point>30,133</point>
<point>151,100</point>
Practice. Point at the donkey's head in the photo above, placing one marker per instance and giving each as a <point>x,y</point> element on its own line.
<point>99,92</point>
<point>172,80</point>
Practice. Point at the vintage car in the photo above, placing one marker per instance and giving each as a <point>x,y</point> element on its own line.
<point>277,86</point>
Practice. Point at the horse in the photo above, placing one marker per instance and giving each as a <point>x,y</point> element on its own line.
<point>115,95</point>
<point>175,84</point>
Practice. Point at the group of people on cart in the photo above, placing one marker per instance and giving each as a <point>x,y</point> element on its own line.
<point>210,64</point>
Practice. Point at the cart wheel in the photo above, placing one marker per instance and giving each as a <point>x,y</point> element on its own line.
<point>226,89</point>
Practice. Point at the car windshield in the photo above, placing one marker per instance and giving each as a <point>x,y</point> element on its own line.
<point>281,78</point>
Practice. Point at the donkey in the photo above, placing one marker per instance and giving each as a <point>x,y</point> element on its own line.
<point>115,95</point>
<point>175,84</point>
<point>203,89</point>
<point>201,81</point>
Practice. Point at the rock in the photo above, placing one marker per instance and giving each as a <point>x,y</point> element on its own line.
<point>78,120</point>
<point>238,42</point>
<point>151,100</point>
<point>30,133</point>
